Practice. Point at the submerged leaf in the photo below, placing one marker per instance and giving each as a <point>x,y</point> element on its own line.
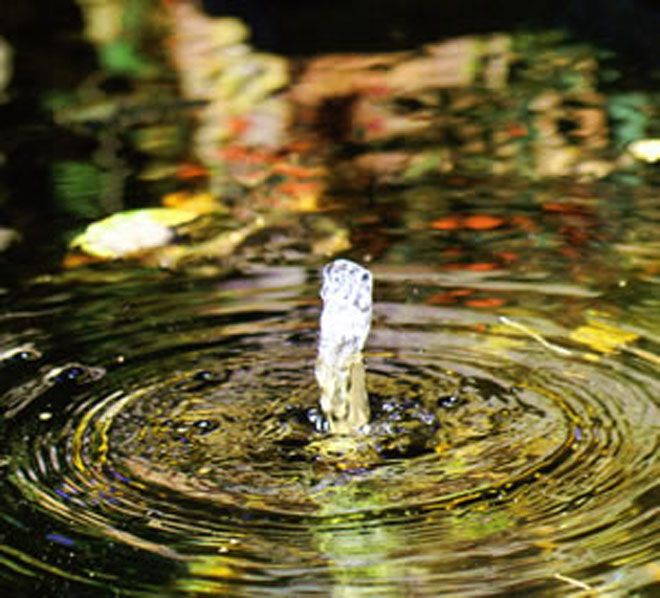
<point>127,233</point>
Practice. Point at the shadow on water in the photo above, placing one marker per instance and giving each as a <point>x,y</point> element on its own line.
<point>160,426</point>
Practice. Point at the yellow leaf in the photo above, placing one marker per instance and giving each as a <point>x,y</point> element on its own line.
<point>602,337</point>
<point>127,233</point>
<point>213,567</point>
<point>201,202</point>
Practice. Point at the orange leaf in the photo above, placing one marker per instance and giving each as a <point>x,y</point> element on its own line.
<point>485,302</point>
<point>298,172</point>
<point>481,266</point>
<point>516,130</point>
<point>483,222</point>
<point>243,154</point>
<point>297,189</point>
<point>565,207</point>
<point>508,256</point>
<point>238,125</point>
<point>448,297</point>
<point>74,260</point>
<point>461,292</point>
<point>191,171</point>
<point>448,223</point>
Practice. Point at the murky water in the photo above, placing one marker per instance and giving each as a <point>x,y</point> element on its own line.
<point>161,432</point>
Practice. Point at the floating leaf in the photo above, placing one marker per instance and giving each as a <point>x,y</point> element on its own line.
<point>485,302</point>
<point>201,202</point>
<point>447,223</point>
<point>301,196</point>
<point>483,222</point>
<point>191,170</point>
<point>645,150</point>
<point>474,222</point>
<point>602,337</point>
<point>127,233</point>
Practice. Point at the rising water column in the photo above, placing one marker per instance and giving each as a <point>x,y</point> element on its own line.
<point>345,323</point>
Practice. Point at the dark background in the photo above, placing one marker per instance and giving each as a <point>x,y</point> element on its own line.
<point>312,26</point>
<point>631,27</point>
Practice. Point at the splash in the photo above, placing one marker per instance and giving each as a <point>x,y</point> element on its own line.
<point>345,323</point>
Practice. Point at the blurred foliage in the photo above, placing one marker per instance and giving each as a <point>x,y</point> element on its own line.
<point>630,116</point>
<point>121,30</point>
<point>121,57</point>
<point>77,187</point>
<point>182,103</point>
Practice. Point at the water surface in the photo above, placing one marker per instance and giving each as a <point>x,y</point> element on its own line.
<point>162,434</point>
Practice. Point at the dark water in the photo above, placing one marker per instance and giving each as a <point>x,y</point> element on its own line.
<point>160,430</point>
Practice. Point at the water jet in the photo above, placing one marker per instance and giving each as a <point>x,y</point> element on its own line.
<point>344,327</point>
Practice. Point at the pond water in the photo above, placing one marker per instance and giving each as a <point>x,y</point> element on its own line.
<point>160,431</point>
<point>160,427</point>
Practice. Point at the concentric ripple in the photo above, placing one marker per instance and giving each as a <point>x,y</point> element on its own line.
<point>183,450</point>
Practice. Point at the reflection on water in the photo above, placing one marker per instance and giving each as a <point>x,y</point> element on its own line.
<point>161,430</point>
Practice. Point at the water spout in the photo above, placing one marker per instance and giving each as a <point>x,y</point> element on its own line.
<point>345,323</point>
